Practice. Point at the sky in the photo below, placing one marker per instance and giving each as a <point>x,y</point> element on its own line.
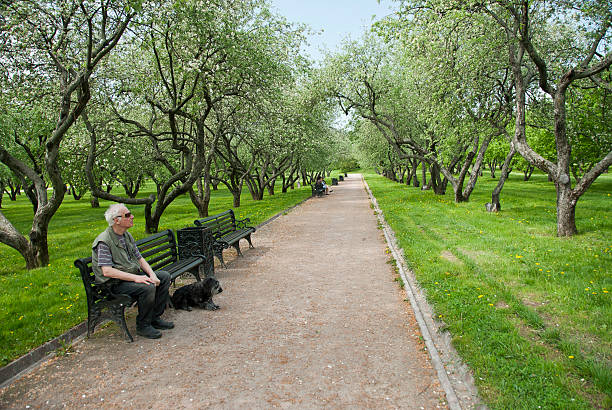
<point>336,18</point>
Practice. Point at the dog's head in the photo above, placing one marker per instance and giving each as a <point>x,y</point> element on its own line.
<point>211,286</point>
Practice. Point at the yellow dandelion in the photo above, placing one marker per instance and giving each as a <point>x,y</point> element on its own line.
<point>537,263</point>
<point>571,357</point>
<point>518,256</point>
<point>479,296</point>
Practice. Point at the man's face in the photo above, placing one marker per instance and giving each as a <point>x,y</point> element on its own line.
<point>124,218</point>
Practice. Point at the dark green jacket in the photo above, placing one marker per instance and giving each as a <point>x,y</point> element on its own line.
<point>123,259</point>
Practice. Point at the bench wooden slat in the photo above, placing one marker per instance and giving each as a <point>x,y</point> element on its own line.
<point>167,249</point>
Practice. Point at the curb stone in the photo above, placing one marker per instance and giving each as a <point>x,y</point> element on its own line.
<point>37,356</point>
<point>32,359</point>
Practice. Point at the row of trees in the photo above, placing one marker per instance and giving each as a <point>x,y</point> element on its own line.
<point>189,94</point>
<point>185,94</point>
<point>454,85</point>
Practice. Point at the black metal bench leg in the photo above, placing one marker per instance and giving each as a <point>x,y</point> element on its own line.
<point>248,238</point>
<point>118,313</point>
<point>93,318</point>
<point>237,247</point>
<point>196,272</point>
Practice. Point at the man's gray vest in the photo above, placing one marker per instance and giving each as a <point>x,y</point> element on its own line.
<point>123,259</point>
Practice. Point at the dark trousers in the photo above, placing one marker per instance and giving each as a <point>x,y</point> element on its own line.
<point>152,300</point>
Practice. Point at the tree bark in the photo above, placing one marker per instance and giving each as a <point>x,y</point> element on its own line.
<point>424,176</point>
<point>10,236</point>
<point>201,199</point>
<point>494,205</point>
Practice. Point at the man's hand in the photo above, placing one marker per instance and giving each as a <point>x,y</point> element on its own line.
<point>145,279</point>
<point>154,278</point>
<point>146,268</point>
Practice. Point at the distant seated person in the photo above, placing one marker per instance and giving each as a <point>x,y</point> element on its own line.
<point>117,261</point>
<point>320,185</point>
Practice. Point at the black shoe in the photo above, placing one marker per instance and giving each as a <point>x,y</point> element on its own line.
<point>149,332</point>
<point>162,324</point>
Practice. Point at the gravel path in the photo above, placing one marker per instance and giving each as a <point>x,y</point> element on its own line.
<point>310,318</point>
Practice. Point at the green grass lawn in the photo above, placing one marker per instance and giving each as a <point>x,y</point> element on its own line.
<point>529,312</point>
<point>40,304</point>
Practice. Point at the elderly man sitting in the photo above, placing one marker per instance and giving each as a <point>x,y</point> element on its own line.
<point>116,258</point>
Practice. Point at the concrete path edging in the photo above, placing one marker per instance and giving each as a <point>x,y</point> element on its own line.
<point>35,357</point>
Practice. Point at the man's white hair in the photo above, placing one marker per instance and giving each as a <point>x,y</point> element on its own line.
<point>112,212</point>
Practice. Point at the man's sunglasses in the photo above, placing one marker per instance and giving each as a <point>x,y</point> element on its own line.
<point>126,215</point>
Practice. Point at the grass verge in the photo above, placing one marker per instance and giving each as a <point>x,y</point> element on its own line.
<point>41,304</point>
<point>530,313</point>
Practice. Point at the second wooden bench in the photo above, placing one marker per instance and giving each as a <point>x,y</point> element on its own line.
<point>227,231</point>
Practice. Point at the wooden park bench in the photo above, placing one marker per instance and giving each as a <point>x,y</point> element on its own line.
<point>160,251</point>
<point>227,232</point>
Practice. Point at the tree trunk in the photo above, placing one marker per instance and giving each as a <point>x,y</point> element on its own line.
<point>151,220</point>
<point>270,187</point>
<point>493,167</point>
<point>424,176</point>
<point>251,186</point>
<point>236,196</point>
<point>566,210</point>
<point>494,205</point>
<point>201,199</point>
<point>437,184</point>
<point>75,194</point>
<point>527,172</point>
<point>476,168</point>
<point>30,192</point>
<point>95,202</point>
<point>10,236</point>
<point>131,188</point>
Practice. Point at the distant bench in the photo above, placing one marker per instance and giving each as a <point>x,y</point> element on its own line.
<point>160,251</point>
<point>227,231</point>
<point>317,191</point>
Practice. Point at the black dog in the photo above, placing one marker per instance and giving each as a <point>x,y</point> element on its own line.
<point>198,294</point>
